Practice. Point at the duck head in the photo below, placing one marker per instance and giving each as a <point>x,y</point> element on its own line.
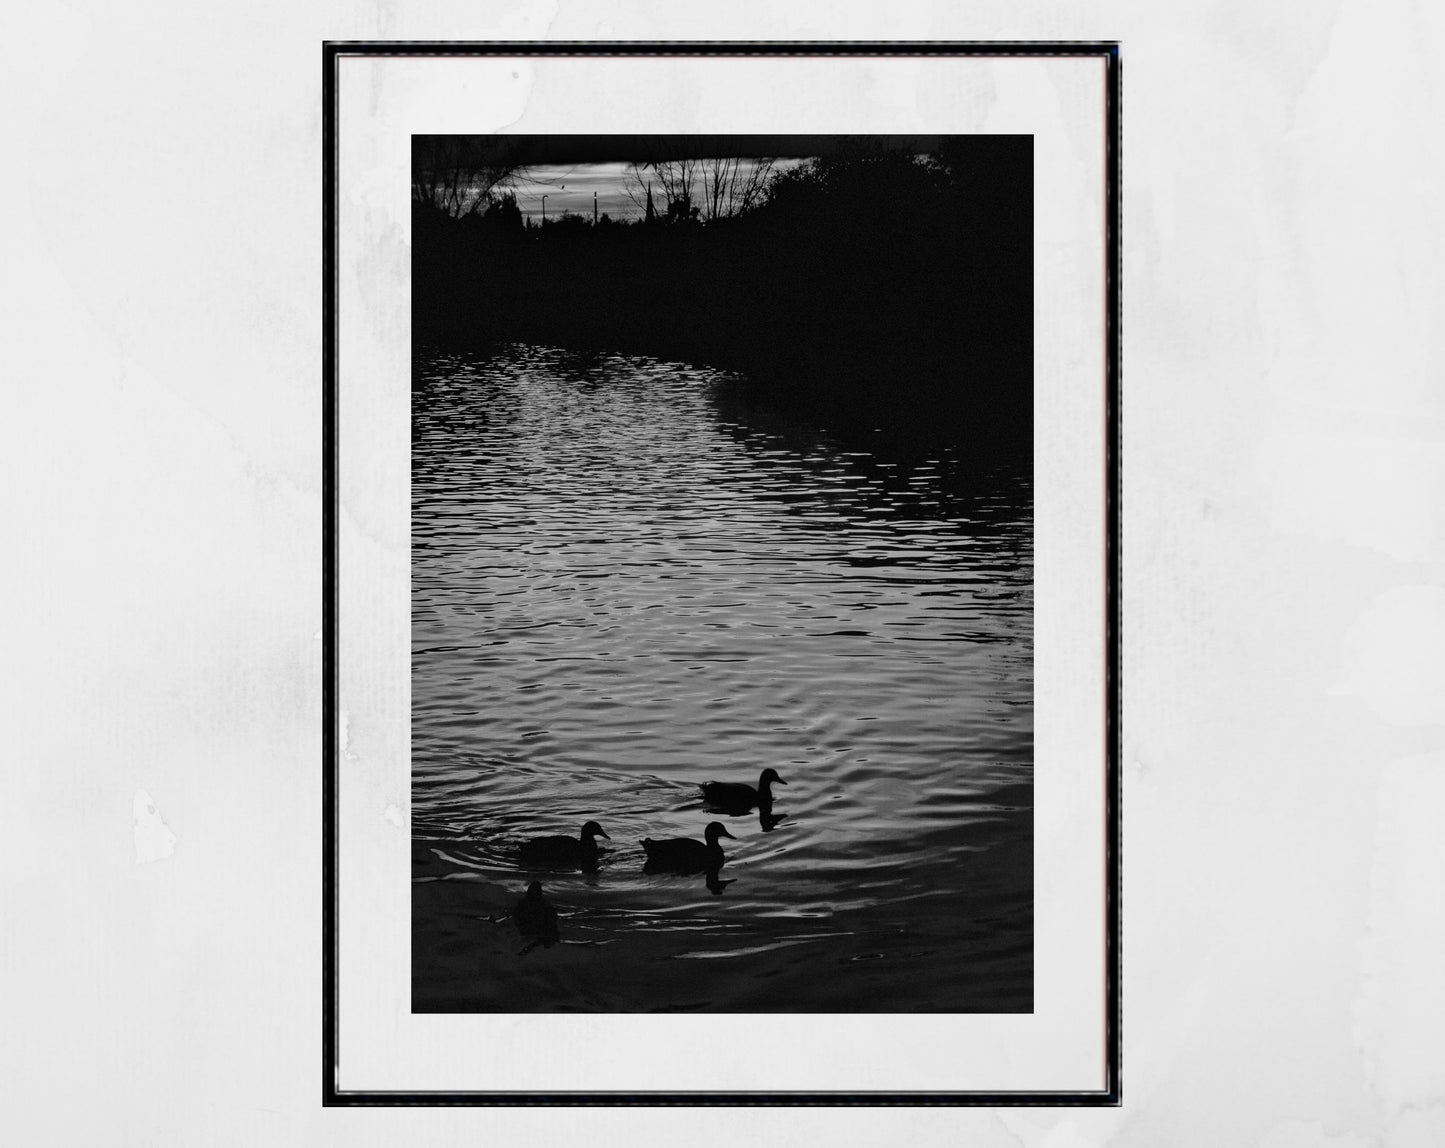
<point>769,776</point>
<point>715,830</point>
<point>534,891</point>
<point>592,829</point>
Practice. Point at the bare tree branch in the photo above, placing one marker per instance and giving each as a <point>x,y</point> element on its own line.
<point>674,179</point>
<point>454,175</point>
<point>731,186</point>
<point>637,187</point>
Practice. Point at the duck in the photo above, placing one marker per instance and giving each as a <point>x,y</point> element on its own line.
<point>564,852</point>
<point>684,855</point>
<point>737,797</point>
<point>534,915</point>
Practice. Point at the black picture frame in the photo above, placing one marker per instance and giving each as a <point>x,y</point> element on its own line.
<point>333,52</point>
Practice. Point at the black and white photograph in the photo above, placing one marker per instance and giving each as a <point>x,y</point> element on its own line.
<point>722,574</point>
<point>725,639</point>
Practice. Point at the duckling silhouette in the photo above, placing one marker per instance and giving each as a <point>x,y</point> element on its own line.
<point>737,797</point>
<point>684,855</point>
<point>535,917</point>
<point>564,852</point>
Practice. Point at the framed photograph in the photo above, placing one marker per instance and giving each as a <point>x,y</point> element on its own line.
<point>722,472</point>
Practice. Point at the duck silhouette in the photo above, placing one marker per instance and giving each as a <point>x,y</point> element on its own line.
<point>684,855</point>
<point>535,917</point>
<point>738,797</point>
<point>564,852</point>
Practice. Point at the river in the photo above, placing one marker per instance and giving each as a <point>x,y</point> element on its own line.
<point>630,576</point>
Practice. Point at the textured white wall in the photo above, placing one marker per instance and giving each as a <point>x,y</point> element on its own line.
<point>1285,469</point>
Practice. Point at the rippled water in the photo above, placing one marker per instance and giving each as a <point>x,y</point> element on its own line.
<point>628,578</point>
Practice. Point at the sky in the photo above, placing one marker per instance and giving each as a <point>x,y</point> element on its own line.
<point>570,187</point>
<point>569,169</point>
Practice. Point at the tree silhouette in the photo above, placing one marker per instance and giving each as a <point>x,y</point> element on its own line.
<point>451,175</point>
<point>884,280</point>
<point>733,186</point>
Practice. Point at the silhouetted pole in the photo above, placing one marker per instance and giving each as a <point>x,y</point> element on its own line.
<point>594,209</point>
<point>544,210</point>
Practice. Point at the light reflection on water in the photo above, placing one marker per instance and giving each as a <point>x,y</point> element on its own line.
<point>627,580</point>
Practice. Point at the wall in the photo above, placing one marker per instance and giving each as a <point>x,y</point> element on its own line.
<point>1285,463</point>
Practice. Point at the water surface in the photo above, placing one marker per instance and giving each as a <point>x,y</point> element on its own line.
<point>627,578</point>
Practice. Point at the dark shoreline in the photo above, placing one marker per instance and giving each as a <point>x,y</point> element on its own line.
<point>882,290</point>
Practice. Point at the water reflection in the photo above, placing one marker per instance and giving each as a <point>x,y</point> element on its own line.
<point>767,822</point>
<point>624,578</point>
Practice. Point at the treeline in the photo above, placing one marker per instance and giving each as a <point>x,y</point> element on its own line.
<point>887,284</point>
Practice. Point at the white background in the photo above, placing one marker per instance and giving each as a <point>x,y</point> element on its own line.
<point>1059,103</point>
<point>1284,420</point>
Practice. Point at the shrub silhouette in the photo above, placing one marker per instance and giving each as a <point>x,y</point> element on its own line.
<point>879,282</point>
